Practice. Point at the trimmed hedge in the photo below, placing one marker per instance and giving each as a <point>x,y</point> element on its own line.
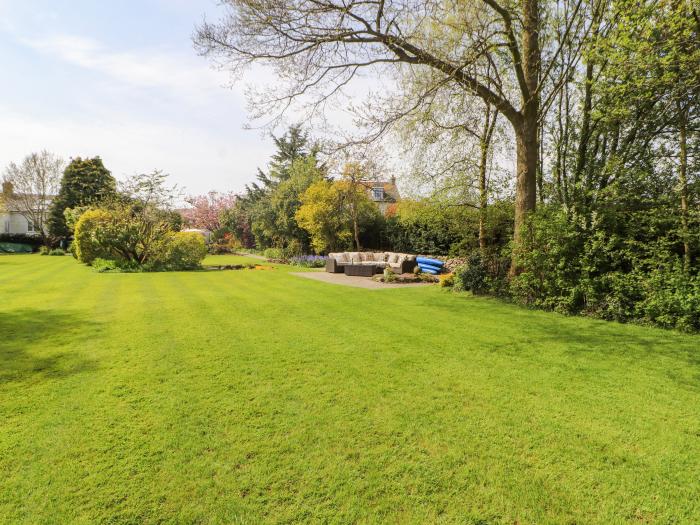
<point>20,238</point>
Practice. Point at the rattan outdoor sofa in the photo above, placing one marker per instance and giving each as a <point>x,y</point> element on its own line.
<point>397,262</point>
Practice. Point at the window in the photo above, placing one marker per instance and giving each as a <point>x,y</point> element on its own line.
<point>7,225</point>
<point>378,194</point>
<point>30,226</point>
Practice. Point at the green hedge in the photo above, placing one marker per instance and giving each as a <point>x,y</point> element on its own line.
<point>15,238</point>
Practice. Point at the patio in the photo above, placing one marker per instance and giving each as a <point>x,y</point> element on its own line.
<point>356,282</point>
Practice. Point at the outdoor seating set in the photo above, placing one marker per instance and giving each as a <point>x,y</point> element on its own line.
<point>366,264</point>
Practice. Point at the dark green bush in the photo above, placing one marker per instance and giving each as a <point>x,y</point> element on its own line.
<point>617,266</point>
<point>473,276</point>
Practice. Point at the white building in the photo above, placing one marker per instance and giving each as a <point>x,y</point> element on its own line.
<point>11,220</point>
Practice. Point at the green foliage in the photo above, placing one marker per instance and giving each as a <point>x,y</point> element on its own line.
<point>44,250</point>
<point>389,276</point>
<point>273,254</point>
<point>624,266</point>
<point>322,215</point>
<point>440,228</point>
<point>235,221</point>
<point>327,213</point>
<point>33,241</point>
<point>88,243</point>
<point>136,237</point>
<point>57,252</point>
<point>104,265</point>
<point>72,215</point>
<point>473,276</point>
<point>181,251</point>
<point>85,182</point>
<point>671,299</point>
<point>273,216</point>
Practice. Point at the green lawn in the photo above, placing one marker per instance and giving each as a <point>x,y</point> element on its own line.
<point>257,396</point>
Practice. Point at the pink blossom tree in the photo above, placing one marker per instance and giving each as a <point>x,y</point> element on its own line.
<point>207,209</point>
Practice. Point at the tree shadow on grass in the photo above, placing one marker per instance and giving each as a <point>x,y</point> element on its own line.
<point>39,344</point>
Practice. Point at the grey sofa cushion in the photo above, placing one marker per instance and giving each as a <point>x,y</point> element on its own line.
<point>380,264</point>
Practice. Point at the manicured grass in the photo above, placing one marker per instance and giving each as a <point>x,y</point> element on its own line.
<point>257,396</point>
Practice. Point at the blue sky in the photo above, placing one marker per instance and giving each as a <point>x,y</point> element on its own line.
<point>121,80</point>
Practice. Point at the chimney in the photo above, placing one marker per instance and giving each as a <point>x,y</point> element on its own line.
<point>393,180</point>
<point>7,188</point>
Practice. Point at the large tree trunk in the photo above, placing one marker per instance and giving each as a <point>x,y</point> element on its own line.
<point>526,182</point>
<point>527,130</point>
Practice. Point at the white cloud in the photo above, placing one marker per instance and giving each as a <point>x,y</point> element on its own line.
<point>183,76</point>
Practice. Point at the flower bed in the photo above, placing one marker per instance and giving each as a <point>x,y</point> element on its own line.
<point>308,261</point>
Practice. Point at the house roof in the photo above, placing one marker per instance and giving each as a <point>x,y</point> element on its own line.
<point>391,191</point>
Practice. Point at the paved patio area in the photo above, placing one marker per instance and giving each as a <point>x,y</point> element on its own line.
<point>356,282</point>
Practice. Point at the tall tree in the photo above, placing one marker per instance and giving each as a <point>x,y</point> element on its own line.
<point>271,202</point>
<point>85,182</point>
<point>31,187</point>
<point>490,49</point>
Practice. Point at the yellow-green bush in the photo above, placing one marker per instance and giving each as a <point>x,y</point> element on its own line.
<point>184,251</point>
<point>135,240</point>
<point>87,244</point>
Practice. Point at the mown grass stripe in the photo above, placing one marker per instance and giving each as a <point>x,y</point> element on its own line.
<point>257,396</point>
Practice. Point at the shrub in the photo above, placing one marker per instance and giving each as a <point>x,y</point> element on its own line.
<point>183,251</point>
<point>225,244</point>
<point>550,252</point>
<point>447,280</point>
<point>273,253</point>
<point>104,265</point>
<point>88,243</point>
<point>33,241</point>
<point>44,250</point>
<point>136,239</point>
<point>671,299</point>
<point>473,276</point>
<point>57,252</point>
